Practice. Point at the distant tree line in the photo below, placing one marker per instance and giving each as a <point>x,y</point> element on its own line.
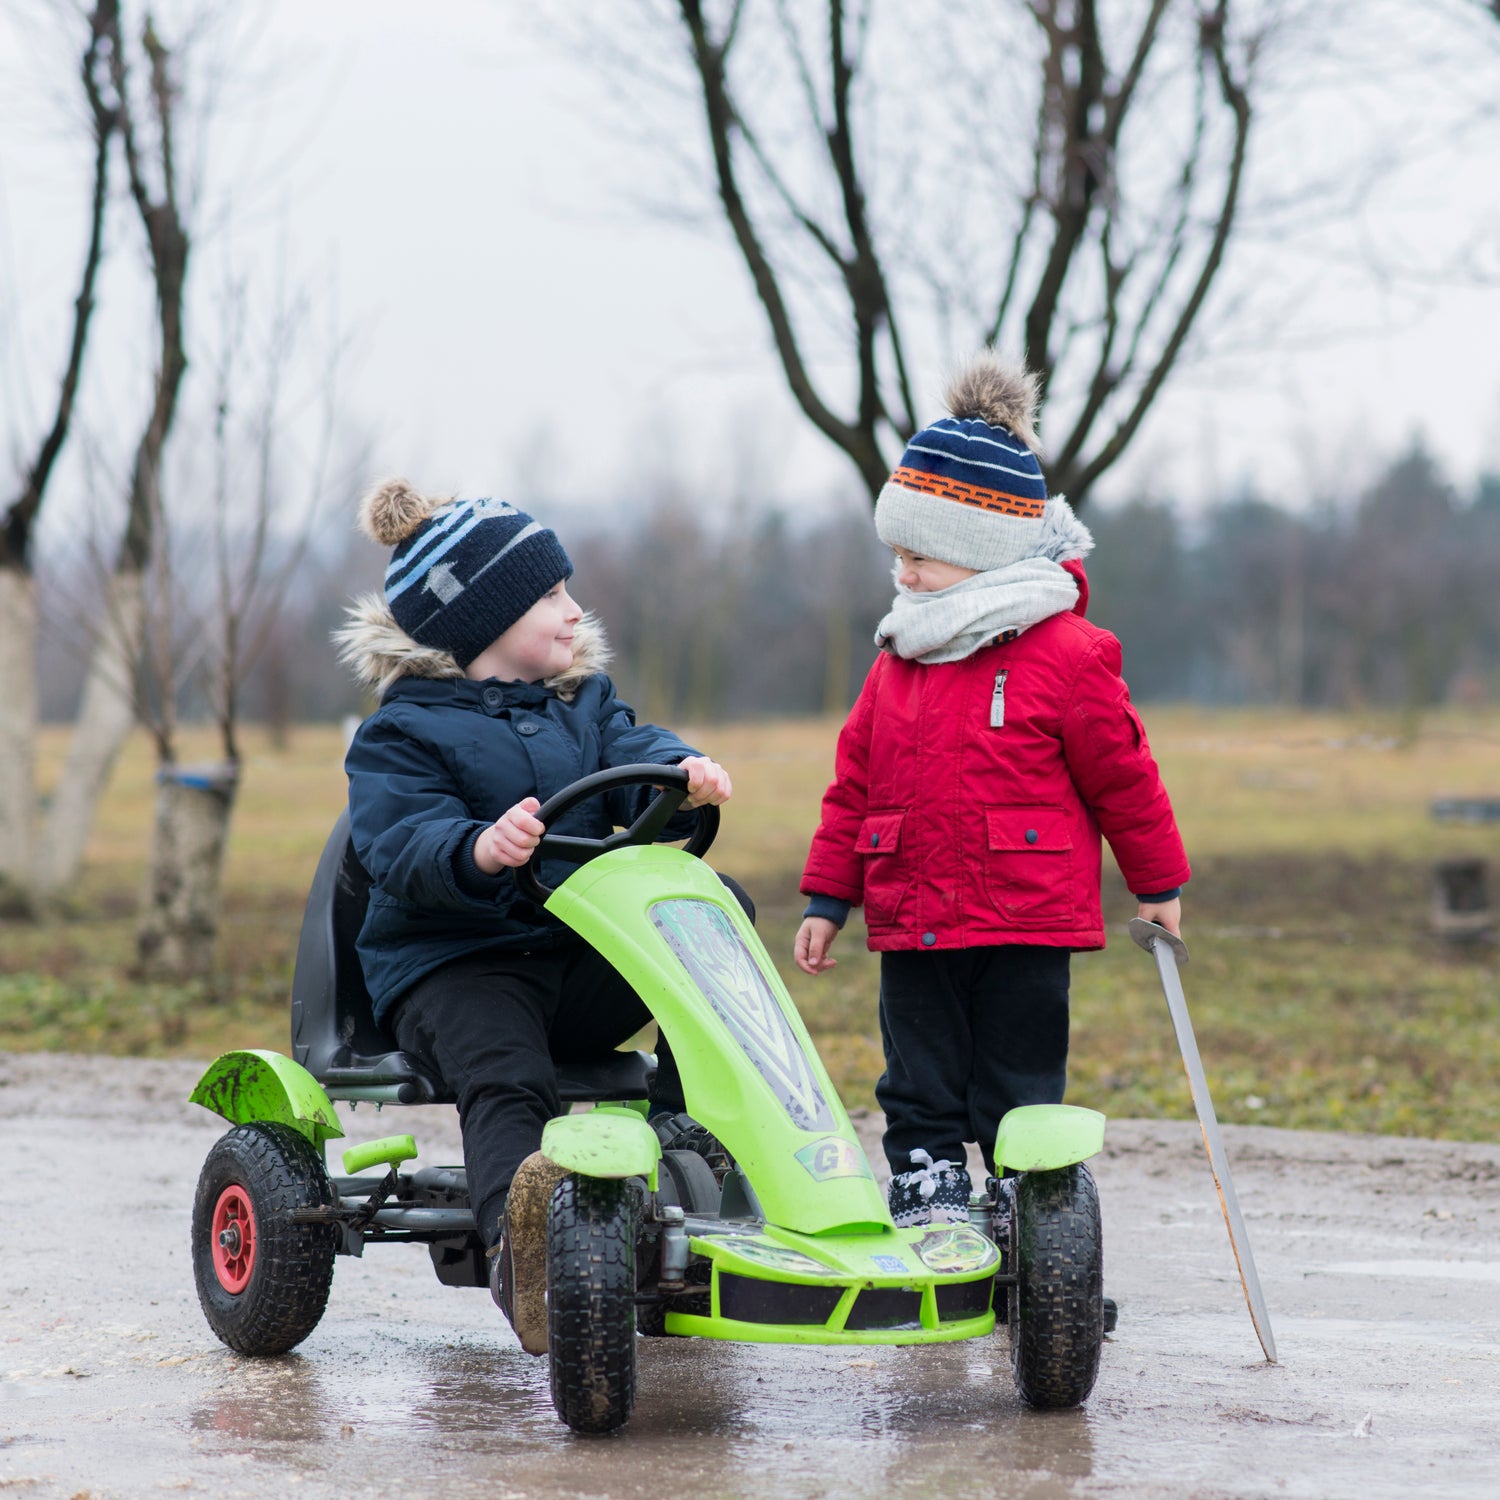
<point>1384,599</point>
<point>1388,599</point>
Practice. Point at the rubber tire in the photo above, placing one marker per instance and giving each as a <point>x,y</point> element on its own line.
<point>697,1188</point>
<point>278,1170</point>
<point>591,1302</point>
<point>1056,1309</point>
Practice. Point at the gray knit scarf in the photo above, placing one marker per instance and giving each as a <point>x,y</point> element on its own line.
<point>952,623</point>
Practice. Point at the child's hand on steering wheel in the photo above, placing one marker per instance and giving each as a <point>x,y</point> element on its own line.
<point>508,841</point>
<point>708,781</point>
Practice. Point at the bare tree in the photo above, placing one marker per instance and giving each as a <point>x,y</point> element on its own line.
<point>18,701</point>
<point>205,638</point>
<point>1093,225</point>
<point>107,710</point>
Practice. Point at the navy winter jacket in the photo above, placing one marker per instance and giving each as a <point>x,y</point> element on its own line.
<point>432,767</point>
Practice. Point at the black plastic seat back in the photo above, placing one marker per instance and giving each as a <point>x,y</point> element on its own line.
<point>334,1032</point>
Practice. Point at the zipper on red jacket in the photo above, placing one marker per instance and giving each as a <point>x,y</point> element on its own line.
<point>997,700</point>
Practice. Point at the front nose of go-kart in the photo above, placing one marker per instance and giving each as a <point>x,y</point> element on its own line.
<point>818,1258</point>
<point>931,1284</point>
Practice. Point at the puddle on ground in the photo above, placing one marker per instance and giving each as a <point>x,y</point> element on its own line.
<point>1439,1270</point>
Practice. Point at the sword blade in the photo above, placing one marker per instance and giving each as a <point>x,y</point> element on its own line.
<point>1218,1160</point>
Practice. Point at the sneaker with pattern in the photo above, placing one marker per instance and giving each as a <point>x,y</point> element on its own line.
<point>933,1192</point>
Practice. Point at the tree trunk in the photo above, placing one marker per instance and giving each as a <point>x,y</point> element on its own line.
<point>17,737</point>
<point>105,717</point>
<point>180,909</point>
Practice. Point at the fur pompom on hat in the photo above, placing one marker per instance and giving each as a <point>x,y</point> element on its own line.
<point>969,489</point>
<point>997,394</point>
<point>462,572</point>
<point>393,510</point>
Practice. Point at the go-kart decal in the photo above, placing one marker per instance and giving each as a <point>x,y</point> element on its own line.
<point>889,1264</point>
<point>704,941</point>
<point>834,1157</point>
<point>956,1249</point>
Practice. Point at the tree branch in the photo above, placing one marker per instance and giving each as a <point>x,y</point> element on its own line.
<point>168,243</point>
<point>709,58</point>
<point>1236,96</point>
<point>1078,179</point>
<point>21,514</point>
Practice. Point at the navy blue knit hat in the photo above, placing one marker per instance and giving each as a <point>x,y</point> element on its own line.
<point>463,571</point>
<point>969,489</point>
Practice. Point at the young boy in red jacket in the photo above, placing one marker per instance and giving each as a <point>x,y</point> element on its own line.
<point>991,745</point>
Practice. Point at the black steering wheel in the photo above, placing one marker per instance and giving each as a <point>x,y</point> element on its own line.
<point>673,781</point>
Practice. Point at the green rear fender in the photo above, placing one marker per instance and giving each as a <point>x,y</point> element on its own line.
<point>254,1087</point>
<point>1044,1137</point>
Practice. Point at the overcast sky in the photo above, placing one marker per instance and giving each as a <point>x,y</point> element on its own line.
<point>519,323</point>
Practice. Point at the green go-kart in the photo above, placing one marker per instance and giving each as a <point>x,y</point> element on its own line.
<point>782,1236</point>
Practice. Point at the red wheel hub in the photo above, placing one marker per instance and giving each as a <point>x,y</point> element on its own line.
<point>233,1239</point>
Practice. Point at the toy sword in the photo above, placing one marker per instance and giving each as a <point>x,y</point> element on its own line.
<point>1169,952</point>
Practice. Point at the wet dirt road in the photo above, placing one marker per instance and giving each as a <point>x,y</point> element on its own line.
<point>1380,1260</point>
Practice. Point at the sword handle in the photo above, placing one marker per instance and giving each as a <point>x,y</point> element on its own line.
<point>1147,935</point>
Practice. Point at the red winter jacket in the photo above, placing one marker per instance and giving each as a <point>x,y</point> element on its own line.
<point>956,834</point>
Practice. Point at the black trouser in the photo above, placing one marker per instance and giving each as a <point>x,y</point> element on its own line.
<point>491,1026</point>
<point>968,1034</point>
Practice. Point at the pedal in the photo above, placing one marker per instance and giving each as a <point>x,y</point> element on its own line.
<point>389,1151</point>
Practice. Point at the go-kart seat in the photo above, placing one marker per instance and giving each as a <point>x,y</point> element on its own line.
<point>334,1032</point>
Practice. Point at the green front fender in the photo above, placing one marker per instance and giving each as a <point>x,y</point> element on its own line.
<point>750,1072</point>
<point>255,1087</point>
<point>603,1143</point>
<point>1043,1137</point>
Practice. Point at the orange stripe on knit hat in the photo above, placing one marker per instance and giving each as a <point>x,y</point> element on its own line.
<point>1029,507</point>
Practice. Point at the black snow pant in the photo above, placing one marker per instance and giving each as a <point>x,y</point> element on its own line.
<point>492,1026</point>
<point>968,1034</point>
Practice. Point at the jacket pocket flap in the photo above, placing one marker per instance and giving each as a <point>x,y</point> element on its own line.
<point>1028,829</point>
<point>880,833</point>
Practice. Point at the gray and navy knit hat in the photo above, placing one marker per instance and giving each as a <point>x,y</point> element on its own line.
<point>463,571</point>
<point>969,489</point>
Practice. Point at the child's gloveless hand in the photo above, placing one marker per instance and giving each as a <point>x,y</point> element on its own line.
<point>1166,914</point>
<point>708,781</point>
<point>814,939</point>
<point>509,840</point>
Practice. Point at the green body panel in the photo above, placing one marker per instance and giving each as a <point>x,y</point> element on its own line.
<point>652,912</point>
<point>776,1333</point>
<point>919,1259</point>
<point>1043,1137</point>
<point>603,1143</point>
<point>391,1151</point>
<point>255,1087</point>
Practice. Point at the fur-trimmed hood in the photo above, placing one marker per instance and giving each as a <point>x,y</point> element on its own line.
<point>379,651</point>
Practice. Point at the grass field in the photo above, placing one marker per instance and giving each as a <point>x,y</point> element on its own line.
<point>1320,998</point>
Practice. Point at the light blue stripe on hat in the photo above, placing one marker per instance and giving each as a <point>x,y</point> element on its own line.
<point>952,424</point>
<point>978,463</point>
<point>449,543</point>
<point>433,533</point>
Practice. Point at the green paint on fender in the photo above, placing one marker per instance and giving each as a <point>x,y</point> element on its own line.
<point>255,1087</point>
<point>603,1143</point>
<point>1043,1137</point>
<point>750,1072</point>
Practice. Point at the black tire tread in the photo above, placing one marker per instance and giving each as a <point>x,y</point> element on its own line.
<point>289,1285</point>
<point>591,1303</point>
<point>1056,1313</point>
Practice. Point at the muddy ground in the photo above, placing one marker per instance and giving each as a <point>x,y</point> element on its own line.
<point>1380,1260</point>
